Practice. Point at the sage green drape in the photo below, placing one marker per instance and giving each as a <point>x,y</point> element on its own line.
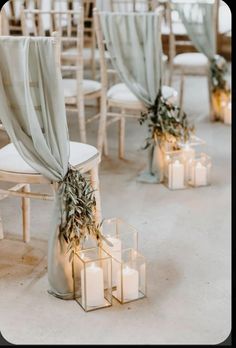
<point>134,43</point>
<point>33,114</point>
<point>199,21</point>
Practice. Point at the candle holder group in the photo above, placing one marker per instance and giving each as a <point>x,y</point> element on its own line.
<point>114,270</point>
<point>186,167</point>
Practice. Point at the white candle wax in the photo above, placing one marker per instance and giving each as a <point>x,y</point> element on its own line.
<point>167,160</point>
<point>94,289</point>
<point>176,175</point>
<point>115,252</point>
<point>227,114</point>
<point>188,154</point>
<point>200,175</point>
<point>130,278</point>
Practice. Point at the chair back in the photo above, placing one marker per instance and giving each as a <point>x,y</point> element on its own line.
<point>12,9</point>
<point>102,50</point>
<point>133,5</point>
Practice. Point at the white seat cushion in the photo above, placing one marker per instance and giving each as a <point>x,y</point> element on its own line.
<point>120,93</point>
<point>191,60</point>
<point>11,160</point>
<point>70,87</point>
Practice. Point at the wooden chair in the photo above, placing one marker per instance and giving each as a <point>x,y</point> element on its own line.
<point>90,52</point>
<point>77,89</point>
<point>14,169</point>
<point>190,63</point>
<point>12,9</point>
<point>118,97</point>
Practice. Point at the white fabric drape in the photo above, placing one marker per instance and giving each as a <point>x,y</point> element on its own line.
<point>33,114</point>
<point>134,43</point>
<point>199,21</point>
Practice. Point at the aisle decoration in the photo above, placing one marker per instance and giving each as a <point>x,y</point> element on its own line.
<point>92,278</point>
<point>168,126</point>
<point>114,269</point>
<point>78,206</point>
<point>199,19</point>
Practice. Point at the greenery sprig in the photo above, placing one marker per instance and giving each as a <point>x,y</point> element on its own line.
<point>78,207</point>
<point>218,70</point>
<point>166,122</point>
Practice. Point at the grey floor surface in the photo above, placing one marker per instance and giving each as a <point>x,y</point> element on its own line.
<point>185,236</point>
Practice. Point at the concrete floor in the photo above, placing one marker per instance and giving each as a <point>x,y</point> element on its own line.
<point>185,236</point>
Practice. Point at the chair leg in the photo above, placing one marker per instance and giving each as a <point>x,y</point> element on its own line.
<point>211,111</point>
<point>94,68</point>
<point>170,75</point>
<point>122,136</point>
<point>102,123</point>
<point>181,93</point>
<point>95,186</point>
<point>81,120</point>
<point>105,144</point>
<point>26,215</point>
<point>1,228</point>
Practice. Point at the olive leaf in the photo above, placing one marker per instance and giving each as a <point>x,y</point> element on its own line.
<point>218,70</point>
<point>166,122</point>
<point>78,205</point>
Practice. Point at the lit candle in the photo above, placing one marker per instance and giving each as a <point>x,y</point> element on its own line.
<point>227,114</point>
<point>188,154</point>
<point>167,160</point>
<point>176,175</point>
<point>115,252</point>
<point>200,175</point>
<point>92,286</point>
<point>130,283</point>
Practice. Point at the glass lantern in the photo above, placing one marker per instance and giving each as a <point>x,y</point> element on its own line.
<point>119,235</point>
<point>130,276</point>
<point>227,113</point>
<point>92,278</point>
<point>220,98</point>
<point>174,169</point>
<point>200,171</point>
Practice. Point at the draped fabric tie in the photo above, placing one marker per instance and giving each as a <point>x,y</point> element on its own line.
<point>199,21</point>
<point>28,77</point>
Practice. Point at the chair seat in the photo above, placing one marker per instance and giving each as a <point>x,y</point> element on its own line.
<point>11,160</point>
<point>191,60</point>
<point>70,87</point>
<point>120,94</point>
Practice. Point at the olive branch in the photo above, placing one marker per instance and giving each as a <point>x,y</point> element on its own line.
<point>166,123</point>
<point>78,207</point>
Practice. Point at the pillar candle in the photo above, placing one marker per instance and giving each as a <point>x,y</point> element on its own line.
<point>176,175</point>
<point>93,287</point>
<point>188,154</point>
<point>200,174</point>
<point>166,166</point>
<point>227,114</point>
<point>130,282</point>
<point>115,252</point>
